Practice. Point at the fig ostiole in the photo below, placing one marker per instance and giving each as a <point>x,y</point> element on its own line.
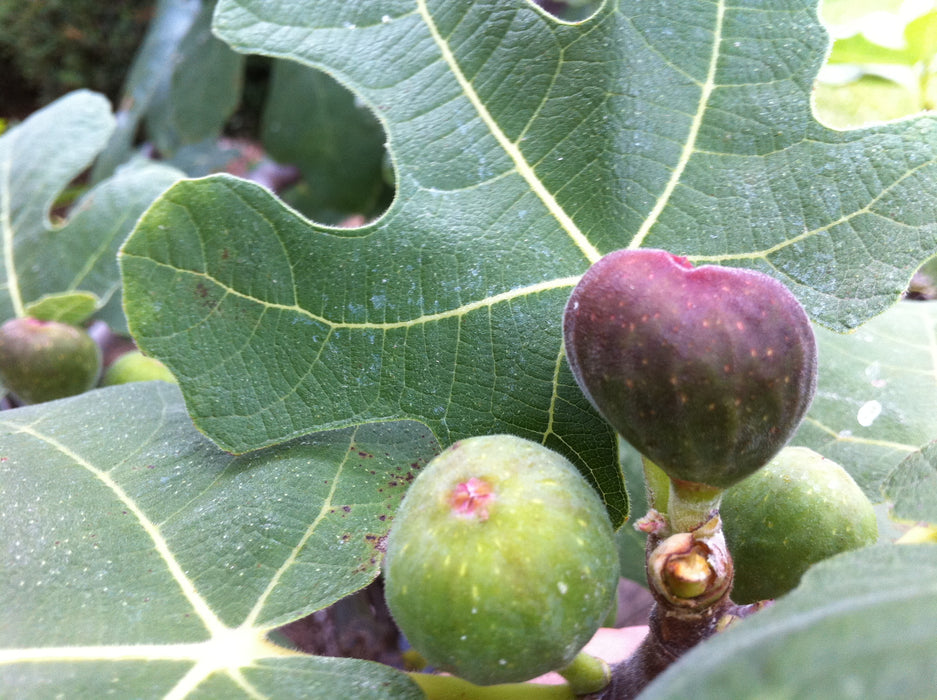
<point>707,371</point>
<point>45,360</point>
<point>501,562</point>
<point>798,510</point>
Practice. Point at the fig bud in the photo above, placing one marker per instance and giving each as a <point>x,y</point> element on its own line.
<point>501,562</point>
<point>706,371</point>
<point>46,360</point>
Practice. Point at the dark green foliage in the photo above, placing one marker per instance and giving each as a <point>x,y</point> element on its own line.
<point>51,47</point>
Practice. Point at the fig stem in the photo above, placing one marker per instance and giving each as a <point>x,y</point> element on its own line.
<point>657,484</point>
<point>437,687</point>
<point>586,674</point>
<point>689,504</point>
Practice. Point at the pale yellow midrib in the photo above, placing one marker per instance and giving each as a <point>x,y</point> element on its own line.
<point>12,282</point>
<point>524,169</point>
<point>689,147</point>
<point>213,625</point>
<point>457,312</point>
<point>251,618</point>
<point>887,444</point>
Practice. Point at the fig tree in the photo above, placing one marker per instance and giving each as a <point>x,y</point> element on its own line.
<point>501,562</point>
<point>799,509</point>
<point>46,360</point>
<point>707,371</point>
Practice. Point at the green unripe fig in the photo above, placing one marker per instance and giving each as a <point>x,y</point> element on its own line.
<point>46,360</point>
<point>501,562</point>
<point>707,371</point>
<point>134,366</point>
<point>800,509</point>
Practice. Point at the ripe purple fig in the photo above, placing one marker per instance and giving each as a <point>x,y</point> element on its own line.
<point>46,360</point>
<point>707,371</point>
<point>501,562</point>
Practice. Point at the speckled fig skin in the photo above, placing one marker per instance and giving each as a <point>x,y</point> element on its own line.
<point>501,562</point>
<point>707,371</point>
<point>45,360</point>
<point>798,510</point>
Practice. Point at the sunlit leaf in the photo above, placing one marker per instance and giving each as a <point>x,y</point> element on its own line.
<point>142,560</point>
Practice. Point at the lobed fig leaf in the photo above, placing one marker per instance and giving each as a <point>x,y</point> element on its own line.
<point>706,371</point>
<point>800,509</point>
<point>501,562</point>
<point>46,360</point>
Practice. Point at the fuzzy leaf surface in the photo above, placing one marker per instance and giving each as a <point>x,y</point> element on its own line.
<point>525,148</point>
<point>145,560</point>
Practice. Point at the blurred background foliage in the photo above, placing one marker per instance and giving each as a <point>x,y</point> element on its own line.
<point>50,47</point>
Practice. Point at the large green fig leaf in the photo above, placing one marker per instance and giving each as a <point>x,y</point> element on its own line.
<point>145,562</point>
<point>860,625</point>
<point>876,399</point>
<point>42,259</point>
<point>525,148</point>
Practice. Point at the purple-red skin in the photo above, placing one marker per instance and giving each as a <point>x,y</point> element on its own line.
<point>706,371</point>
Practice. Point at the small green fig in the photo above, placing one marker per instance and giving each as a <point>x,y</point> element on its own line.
<point>134,366</point>
<point>706,371</point>
<point>501,562</point>
<point>46,360</point>
<point>800,509</point>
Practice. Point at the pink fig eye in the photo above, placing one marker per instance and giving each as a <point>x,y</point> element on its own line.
<point>471,498</point>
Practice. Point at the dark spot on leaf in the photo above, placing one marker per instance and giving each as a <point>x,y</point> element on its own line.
<point>391,483</point>
<point>347,509</point>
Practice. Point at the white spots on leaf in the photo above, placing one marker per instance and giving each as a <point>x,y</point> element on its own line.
<point>868,412</point>
<point>873,372</point>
